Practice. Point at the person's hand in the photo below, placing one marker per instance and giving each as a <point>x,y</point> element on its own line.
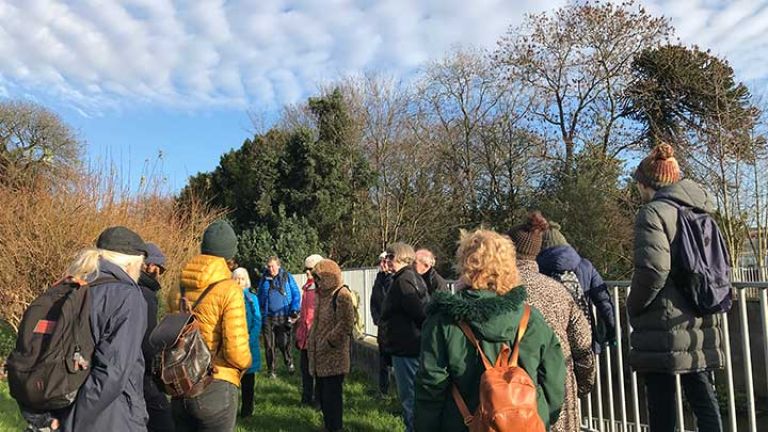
<point>293,317</point>
<point>55,424</point>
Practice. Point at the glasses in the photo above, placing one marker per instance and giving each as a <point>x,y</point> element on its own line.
<point>390,257</point>
<point>315,276</point>
<point>307,269</point>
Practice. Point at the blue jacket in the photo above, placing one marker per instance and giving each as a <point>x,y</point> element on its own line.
<point>279,296</point>
<point>564,258</point>
<point>112,398</point>
<point>253,317</point>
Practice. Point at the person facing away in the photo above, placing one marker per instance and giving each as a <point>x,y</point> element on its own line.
<point>425,267</point>
<point>309,392</point>
<point>253,318</point>
<point>402,316</point>
<point>667,337</point>
<point>223,326</point>
<point>378,292</point>
<point>491,302</point>
<point>562,314</point>
<point>558,257</point>
<point>280,299</point>
<point>158,407</point>
<point>112,397</point>
<point>329,343</point>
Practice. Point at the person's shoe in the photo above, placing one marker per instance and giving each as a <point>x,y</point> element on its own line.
<point>273,375</point>
<point>291,368</point>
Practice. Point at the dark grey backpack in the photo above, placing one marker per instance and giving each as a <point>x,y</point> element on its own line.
<point>701,269</point>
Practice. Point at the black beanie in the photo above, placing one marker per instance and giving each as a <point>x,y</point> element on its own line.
<point>219,240</point>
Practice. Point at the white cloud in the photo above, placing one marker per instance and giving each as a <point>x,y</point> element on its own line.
<point>733,29</point>
<point>98,55</point>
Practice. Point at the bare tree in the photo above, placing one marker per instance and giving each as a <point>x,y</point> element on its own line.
<point>35,142</point>
<point>578,60</point>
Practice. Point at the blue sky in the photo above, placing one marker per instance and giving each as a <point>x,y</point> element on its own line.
<point>140,77</point>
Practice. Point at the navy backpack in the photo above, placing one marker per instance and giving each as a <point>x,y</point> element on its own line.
<point>702,269</point>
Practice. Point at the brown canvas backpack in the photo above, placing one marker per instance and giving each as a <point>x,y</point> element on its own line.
<point>507,394</point>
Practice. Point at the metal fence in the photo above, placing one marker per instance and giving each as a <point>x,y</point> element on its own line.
<point>615,403</point>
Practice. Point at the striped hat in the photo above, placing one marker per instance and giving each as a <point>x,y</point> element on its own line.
<point>659,169</point>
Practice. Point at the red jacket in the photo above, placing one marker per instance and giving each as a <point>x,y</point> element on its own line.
<point>307,314</point>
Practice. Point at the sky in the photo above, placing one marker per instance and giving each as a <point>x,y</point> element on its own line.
<point>163,86</point>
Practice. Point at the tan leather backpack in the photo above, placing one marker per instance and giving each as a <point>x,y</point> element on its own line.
<point>507,394</point>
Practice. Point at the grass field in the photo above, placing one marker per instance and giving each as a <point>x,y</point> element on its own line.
<point>277,408</point>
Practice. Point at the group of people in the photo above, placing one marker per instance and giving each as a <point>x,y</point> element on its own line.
<point>419,335</point>
<point>428,336</point>
<point>122,393</point>
<point>526,291</point>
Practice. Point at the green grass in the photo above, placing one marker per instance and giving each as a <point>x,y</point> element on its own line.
<point>277,408</point>
<point>10,418</point>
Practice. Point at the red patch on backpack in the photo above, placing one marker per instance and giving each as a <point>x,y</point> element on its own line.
<point>45,327</point>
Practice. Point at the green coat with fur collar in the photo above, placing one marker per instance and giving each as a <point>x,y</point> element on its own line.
<point>448,357</point>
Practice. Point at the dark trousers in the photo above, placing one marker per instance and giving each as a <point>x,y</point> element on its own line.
<point>699,393</point>
<point>277,333</point>
<point>247,383</point>
<point>309,391</point>
<point>385,363</point>
<point>332,401</point>
<point>215,410</point>
<point>158,408</point>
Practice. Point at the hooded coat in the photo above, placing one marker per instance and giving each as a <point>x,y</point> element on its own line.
<point>221,314</point>
<point>112,397</point>
<point>564,258</point>
<point>449,357</point>
<point>667,336</point>
<point>328,347</point>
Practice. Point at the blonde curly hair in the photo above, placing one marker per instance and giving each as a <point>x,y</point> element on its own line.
<point>487,260</point>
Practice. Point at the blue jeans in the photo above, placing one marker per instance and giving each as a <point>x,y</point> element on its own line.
<point>699,392</point>
<point>405,373</point>
<point>215,410</point>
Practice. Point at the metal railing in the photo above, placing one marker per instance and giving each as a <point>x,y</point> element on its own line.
<point>616,403</point>
<point>740,415</point>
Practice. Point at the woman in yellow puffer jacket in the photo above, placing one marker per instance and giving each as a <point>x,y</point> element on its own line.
<point>221,315</point>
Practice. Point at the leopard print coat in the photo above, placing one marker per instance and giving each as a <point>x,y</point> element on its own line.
<point>572,328</point>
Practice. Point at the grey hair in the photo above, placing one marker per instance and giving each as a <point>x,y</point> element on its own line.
<point>426,257</point>
<point>403,253</point>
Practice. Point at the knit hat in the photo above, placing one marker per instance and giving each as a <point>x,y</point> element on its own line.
<point>553,237</point>
<point>658,169</point>
<point>311,261</point>
<point>155,256</point>
<point>528,236</point>
<point>219,240</point>
<point>121,240</point>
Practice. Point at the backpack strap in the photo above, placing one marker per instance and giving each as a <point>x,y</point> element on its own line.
<point>335,298</point>
<point>465,414</point>
<point>520,332</point>
<point>184,303</point>
<point>471,336</point>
